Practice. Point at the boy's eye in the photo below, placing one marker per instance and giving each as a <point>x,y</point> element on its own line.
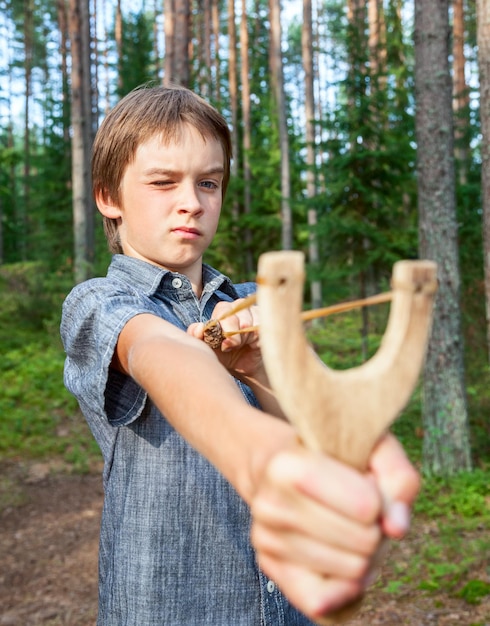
<point>209,184</point>
<point>161,183</point>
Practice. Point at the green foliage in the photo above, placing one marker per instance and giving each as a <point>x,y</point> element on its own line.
<point>474,591</point>
<point>453,515</point>
<point>136,65</point>
<point>40,419</point>
<point>10,159</point>
<point>449,550</point>
<point>466,495</point>
<point>338,342</point>
<point>31,404</point>
<point>367,217</point>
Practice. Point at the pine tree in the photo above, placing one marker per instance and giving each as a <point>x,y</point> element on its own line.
<point>446,440</point>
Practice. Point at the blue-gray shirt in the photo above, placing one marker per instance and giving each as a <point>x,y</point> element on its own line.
<point>174,545</point>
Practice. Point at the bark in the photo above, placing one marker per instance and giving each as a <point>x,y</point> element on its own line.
<point>63,27</point>
<point>28,49</point>
<point>156,47</point>
<point>320,44</point>
<point>460,91</point>
<point>446,440</point>
<point>311,187</point>
<point>82,136</point>
<point>377,42</point>
<point>169,29</point>
<point>233,88</point>
<point>181,70</point>
<point>105,64</point>
<point>483,40</point>
<point>118,34</point>
<point>247,135</point>
<point>206,49</point>
<point>280,101</point>
<point>216,81</point>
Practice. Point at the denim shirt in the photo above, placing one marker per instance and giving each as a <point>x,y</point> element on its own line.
<point>174,544</point>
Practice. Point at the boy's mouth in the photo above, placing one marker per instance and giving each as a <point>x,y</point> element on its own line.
<point>187,232</point>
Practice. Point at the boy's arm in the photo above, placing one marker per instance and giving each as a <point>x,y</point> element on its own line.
<point>200,399</point>
<point>240,353</point>
<point>317,523</point>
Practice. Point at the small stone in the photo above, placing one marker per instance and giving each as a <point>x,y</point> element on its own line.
<point>213,334</point>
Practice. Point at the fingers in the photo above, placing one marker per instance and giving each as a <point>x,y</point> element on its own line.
<point>238,321</point>
<point>399,484</point>
<point>328,482</point>
<point>315,529</point>
<point>231,324</point>
<point>331,529</point>
<point>312,594</point>
<point>316,556</point>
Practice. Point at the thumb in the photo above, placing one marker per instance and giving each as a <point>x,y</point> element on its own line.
<point>196,330</point>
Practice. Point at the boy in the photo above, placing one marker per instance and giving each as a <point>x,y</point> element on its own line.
<point>203,480</point>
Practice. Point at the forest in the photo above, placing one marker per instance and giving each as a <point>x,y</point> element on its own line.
<point>329,104</point>
<point>361,136</point>
<point>358,137</point>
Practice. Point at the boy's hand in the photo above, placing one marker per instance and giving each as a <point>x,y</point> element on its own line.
<point>240,353</point>
<point>318,525</point>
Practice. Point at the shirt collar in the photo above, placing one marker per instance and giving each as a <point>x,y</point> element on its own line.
<point>150,278</point>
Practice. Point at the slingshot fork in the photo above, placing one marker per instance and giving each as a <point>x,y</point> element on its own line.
<point>342,413</point>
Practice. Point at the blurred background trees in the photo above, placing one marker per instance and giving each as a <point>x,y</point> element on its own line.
<point>329,154</point>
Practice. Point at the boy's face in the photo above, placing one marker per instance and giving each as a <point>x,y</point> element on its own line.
<point>171,201</point>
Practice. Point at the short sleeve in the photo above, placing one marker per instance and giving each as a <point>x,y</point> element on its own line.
<point>93,315</point>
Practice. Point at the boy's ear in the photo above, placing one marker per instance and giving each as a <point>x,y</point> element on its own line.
<point>106,206</point>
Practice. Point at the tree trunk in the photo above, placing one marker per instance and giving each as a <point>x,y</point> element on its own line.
<point>460,92</point>
<point>280,101</point>
<point>377,45</point>
<point>311,187</point>
<point>28,51</point>
<point>233,89</point>
<point>320,44</point>
<point>156,40</point>
<point>247,136</point>
<point>65,89</point>
<point>373,37</point>
<point>446,441</point>
<point>169,28</point>
<point>206,49</point>
<point>82,125</point>
<point>216,80</point>
<point>483,40</point>
<point>118,35</point>
<point>105,63</point>
<point>181,73</point>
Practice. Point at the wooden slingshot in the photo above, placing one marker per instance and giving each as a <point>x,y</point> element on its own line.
<point>342,413</point>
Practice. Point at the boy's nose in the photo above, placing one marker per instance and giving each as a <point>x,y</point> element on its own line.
<point>189,201</point>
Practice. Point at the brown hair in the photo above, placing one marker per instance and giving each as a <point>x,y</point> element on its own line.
<point>139,116</point>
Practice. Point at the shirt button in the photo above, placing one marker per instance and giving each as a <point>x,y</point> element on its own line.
<point>271,586</point>
<point>177,283</point>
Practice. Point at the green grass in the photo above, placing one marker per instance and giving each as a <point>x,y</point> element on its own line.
<point>40,420</point>
<point>450,552</point>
